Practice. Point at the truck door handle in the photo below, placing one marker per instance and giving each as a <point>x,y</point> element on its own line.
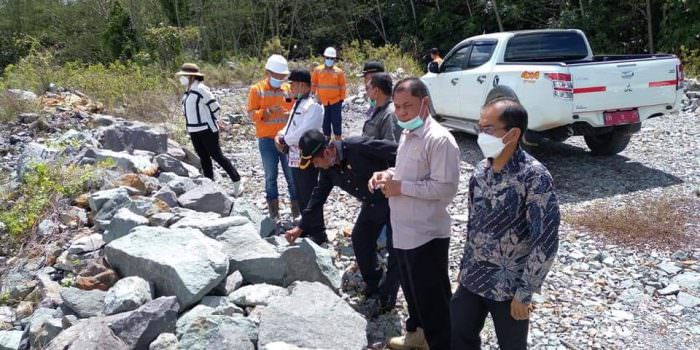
<point>481,79</point>
<point>454,81</point>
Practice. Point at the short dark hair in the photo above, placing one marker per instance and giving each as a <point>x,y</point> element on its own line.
<point>414,85</point>
<point>434,51</point>
<point>514,114</point>
<point>198,78</point>
<point>382,81</point>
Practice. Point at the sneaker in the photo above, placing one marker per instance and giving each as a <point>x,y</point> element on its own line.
<point>410,341</point>
<point>237,189</point>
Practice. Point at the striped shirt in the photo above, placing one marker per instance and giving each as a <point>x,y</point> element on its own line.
<point>200,107</point>
<point>512,231</point>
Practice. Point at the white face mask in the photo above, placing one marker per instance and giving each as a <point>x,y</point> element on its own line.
<point>491,146</point>
<point>184,80</point>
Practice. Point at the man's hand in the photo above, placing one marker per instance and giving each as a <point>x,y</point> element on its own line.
<point>520,311</point>
<point>376,178</point>
<point>390,188</point>
<point>279,143</point>
<point>293,234</point>
<point>222,125</point>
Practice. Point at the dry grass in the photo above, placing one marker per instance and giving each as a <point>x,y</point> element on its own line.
<point>669,222</point>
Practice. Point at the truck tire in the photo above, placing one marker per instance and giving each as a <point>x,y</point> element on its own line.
<point>609,143</point>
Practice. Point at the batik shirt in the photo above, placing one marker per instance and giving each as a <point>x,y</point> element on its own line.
<point>512,232</point>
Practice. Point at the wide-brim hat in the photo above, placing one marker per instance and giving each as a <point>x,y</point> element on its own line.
<point>190,69</point>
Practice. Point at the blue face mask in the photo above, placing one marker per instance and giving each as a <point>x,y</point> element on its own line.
<point>330,62</point>
<point>275,83</point>
<point>414,123</point>
<point>372,103</point>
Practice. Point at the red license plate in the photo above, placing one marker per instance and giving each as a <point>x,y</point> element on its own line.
<point>621,117</point>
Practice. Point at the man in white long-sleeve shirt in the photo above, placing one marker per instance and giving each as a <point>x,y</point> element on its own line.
<point>420,188</point>
<point>307,114</point>
<point>201,110</point>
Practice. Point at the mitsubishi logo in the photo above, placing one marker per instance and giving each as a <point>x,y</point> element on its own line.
<point>628,88</point>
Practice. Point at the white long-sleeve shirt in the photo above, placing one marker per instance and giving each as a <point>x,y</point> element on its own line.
<point>308,115</point>
<point>201,108</point>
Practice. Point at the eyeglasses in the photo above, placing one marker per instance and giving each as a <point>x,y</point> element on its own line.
<point>489,130</point>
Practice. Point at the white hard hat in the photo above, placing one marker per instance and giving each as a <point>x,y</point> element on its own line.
<point>330,52</point>
<point>277,64</point>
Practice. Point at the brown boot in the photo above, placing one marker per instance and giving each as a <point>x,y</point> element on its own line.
<point>273,207</point>
<point>410,341</point>
<point>296,212</point>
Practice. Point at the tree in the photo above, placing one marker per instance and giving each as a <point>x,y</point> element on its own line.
<point>119,36</point>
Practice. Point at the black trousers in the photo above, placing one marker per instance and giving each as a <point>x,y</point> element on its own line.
<point>426,286</point>
<point>206,145</point>
<point>372,219</point>
<point>305,181</point>
<point>468,313</point>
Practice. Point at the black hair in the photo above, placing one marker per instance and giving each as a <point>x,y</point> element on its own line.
<point>382,81</point>
<point>198,78</point>
<point>435,51</point>
<point>514,114</point>
<point>413,85</point>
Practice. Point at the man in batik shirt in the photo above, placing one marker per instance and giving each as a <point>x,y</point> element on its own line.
<point>512,233</point>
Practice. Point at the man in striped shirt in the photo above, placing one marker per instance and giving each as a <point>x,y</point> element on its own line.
<point>512,231</point>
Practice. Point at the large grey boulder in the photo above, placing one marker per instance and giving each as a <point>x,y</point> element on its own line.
<point>98,199</point>
<point>109,209</point>
<point>85,303</point>
<point>309,262</point>
<point>165,341</point>
<point>180,262</point>
<point>86,244</point>
<point>90,334</point>
<point>132,137</point>
<point>257,294</point>
<point>303,318</point>
<point>43,330</point>
<point>181,185</point>
<point>209,227</point>
<point>123,222</point>
<point>207,197</point>
<point>11,340</point>
<point>124,161</point>
<point>688,280</point>
<point>34,153</point>
<point>140,327</point>
<point>257,260</point>
<point>230,284</point>
<point>127,294</point>
<point>209,306</point>
<point>265,225</point>
<point>168,197</point>
<point>169,164</point>
<point>217,331</point>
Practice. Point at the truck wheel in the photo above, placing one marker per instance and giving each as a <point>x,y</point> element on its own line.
<point>609,143</point>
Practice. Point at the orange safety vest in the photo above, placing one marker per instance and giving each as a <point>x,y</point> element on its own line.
<point>263,96</point>
<point>328,84</point>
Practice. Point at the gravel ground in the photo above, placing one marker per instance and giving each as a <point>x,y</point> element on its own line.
<point>598,295</point>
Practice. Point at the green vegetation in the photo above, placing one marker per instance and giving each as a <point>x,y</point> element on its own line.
<point>42,186</point>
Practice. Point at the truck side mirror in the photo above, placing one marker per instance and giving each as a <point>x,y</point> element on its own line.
<point>433,67</point>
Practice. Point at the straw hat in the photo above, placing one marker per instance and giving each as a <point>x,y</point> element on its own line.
<point>190,69</point>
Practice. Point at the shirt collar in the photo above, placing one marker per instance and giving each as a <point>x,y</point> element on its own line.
<point>514,163</point>
<point>420,131</point>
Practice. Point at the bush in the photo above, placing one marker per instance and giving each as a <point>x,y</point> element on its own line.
<point>11,106</point>
<point>691,61</point>
<point>42,186</point>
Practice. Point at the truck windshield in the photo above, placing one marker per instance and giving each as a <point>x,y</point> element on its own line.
<point>546,47</point>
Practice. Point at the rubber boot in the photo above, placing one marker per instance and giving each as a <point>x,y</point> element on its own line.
<point>273,207</point>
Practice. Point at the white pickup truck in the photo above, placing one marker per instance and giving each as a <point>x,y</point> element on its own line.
<point>566,90</point>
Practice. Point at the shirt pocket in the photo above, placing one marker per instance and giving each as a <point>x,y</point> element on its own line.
<point>417,165</point>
